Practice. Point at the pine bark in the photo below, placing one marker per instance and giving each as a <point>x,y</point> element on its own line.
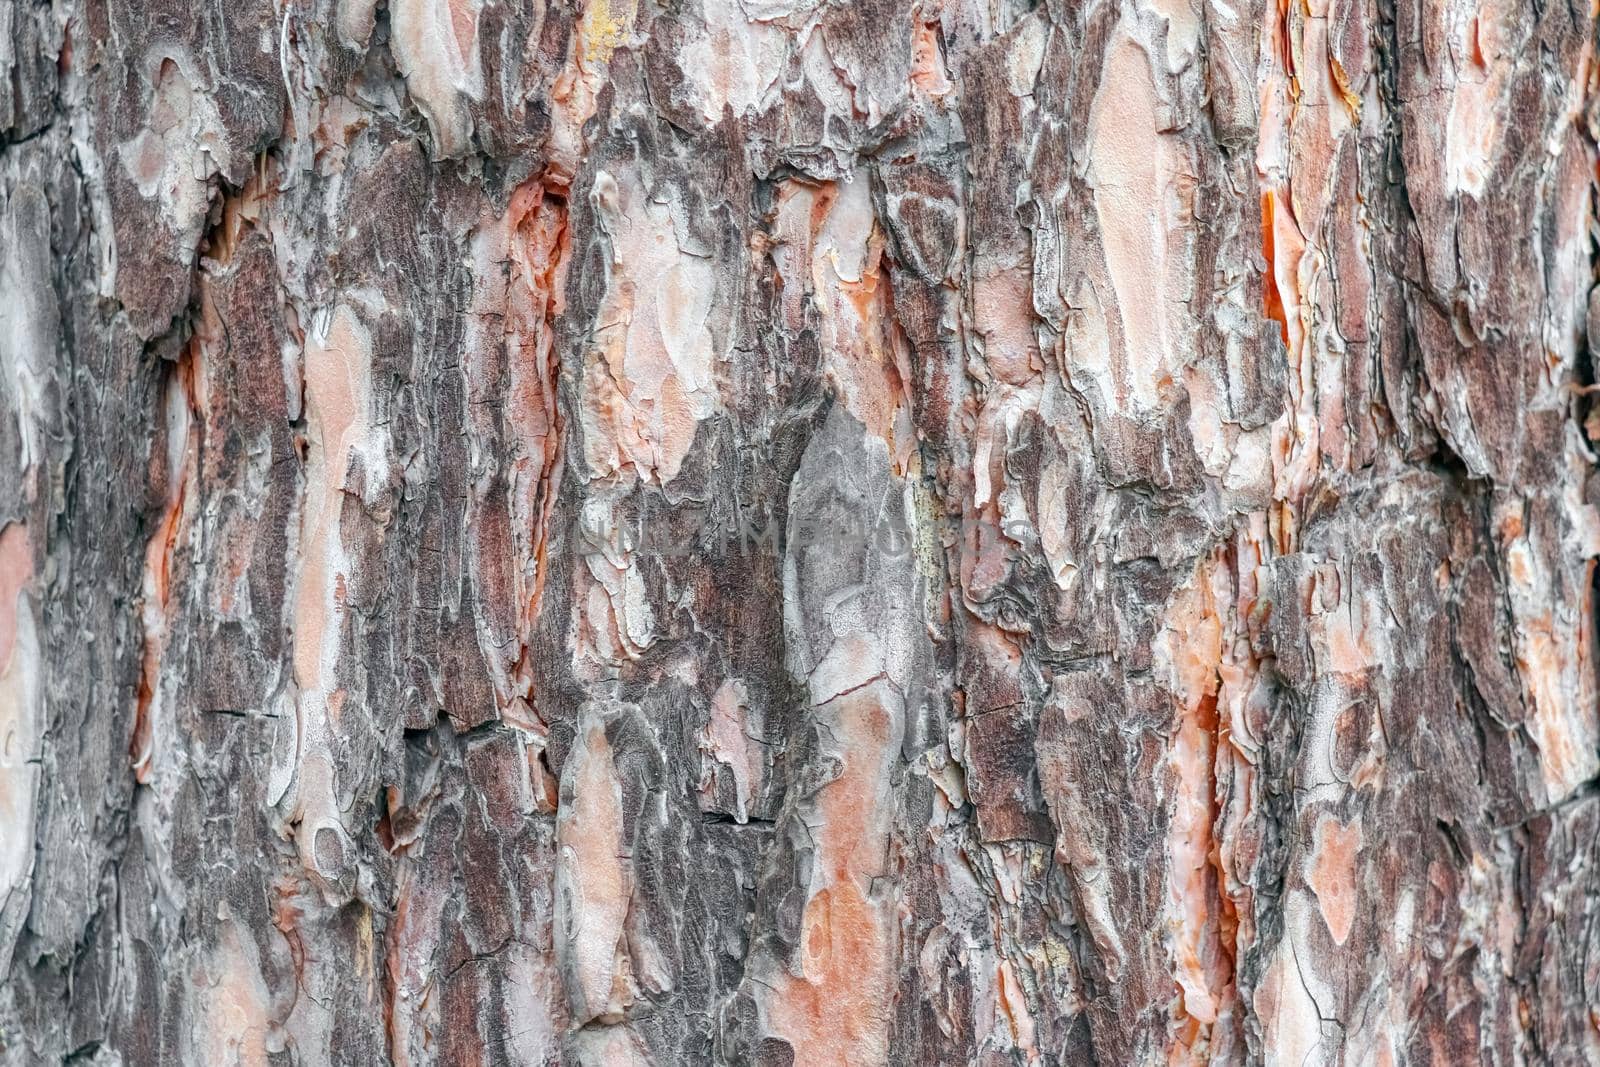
<point>779,532</point>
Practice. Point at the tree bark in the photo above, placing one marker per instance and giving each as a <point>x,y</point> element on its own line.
<point>781,532</point>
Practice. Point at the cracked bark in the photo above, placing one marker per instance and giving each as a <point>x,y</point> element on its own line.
<point>790,533</point>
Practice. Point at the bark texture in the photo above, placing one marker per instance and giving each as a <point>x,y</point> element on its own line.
<point>796,532</point>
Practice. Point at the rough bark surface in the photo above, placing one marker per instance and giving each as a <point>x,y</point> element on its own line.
<point>786,532</point>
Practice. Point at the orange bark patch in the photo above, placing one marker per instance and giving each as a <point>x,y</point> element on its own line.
<point>927,63</point>
<point>16,571</point>
<point>178,467</point>
<point>435,47</point>
<point>595,883</point>
<point>1138,173</point>
<point>1282,245</point>
<point>235,1005</point>
<point>1332,875</point>
<point>1200,919</point>
<point>338,369</point>
<point>533,240</point>
<point>840,1009</point>
<point>726,741</point>
<point>649,377</point>
<point>1274,299</point>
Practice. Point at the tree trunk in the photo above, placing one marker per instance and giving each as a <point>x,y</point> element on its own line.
<point>798,533</point>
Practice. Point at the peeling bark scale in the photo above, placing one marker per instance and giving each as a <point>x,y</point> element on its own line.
<point>799,532</point>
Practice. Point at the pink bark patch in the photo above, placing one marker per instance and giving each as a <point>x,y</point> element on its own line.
<point>16,571</point>
<point>1332,876</point>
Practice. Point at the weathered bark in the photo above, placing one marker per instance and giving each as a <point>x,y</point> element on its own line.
<point>780,532</point>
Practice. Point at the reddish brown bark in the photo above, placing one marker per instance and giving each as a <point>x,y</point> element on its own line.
<point>786,533</point>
